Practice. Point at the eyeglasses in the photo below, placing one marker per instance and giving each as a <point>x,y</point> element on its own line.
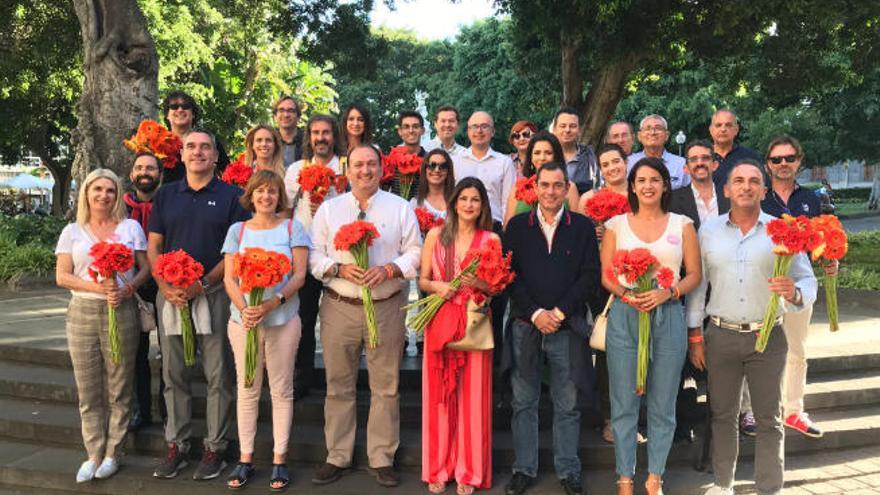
<point>658,129</point>
<point>699,158</point>
<point>524,134</point>
<point>411,127</point>
<point>286,110</point>
<point>437,166</point>
<point>479,127</point>
<point>776,160</point>
<point>179,106</point>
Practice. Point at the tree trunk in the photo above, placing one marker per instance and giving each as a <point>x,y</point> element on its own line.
<point>606,90</point>
<point>61,191</point>
<point>572,80</point>
<point>120,87</point>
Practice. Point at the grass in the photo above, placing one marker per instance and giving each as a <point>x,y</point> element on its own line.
<point>850,208</point>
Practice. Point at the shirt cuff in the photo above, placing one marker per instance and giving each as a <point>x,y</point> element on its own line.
<point>695,319</point>
<point>536,314</point>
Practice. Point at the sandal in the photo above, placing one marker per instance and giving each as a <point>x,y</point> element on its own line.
<point>280,479</point>
<point>657,483</point>
<point>240,476</point>
<point>436,488</point>
<point>464,489</point>
<point>624,483</point>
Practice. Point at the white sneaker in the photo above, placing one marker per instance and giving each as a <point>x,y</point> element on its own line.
<point>717,490</point>
<point>86,471</point>
<point>108,468</point>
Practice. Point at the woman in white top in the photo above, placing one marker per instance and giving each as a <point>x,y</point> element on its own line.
<point>100,217</point>
<point>436,182</point>
<point>673,241</point>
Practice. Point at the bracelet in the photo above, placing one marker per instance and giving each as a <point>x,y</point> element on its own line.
<point>675,292</point>
<point>696,339</point>
<point>389,271</point>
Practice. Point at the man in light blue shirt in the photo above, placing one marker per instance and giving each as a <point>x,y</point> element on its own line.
<point>653,134</point>
<point>737,256</point>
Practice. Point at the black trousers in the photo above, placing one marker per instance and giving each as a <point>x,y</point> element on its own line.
<point>498,306</point>
<point>143,381</point>
<point>309,301</point>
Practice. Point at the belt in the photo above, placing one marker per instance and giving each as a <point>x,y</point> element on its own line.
<point>332,294</point>
<point>740,327</point>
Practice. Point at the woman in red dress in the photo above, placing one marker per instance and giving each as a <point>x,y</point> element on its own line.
<point>456,385</point>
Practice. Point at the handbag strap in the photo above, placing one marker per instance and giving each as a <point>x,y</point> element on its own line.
<point>608,305</point>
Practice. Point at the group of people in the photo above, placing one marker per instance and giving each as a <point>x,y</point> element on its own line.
<point>702,215</point>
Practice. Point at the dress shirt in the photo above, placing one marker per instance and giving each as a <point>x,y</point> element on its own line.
<point>435,143</point>
<point>497,172</point>
<point>705,211</point>
<point>674,164</point>
<point>303,211</point>
<point>549,229</point>
<point>399,241</point>
<point>737,266</point>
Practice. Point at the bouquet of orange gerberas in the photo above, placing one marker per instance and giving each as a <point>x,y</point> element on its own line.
<point>316,179</point>
<point>357,237</point>
<point>110,258</point>
<point>257,270</point>
<point>237,173</point>
<point>180,270</point>
<point>832,248</point>
<point>153,137</point>
<point>639,269</point>
<point>406,166</point>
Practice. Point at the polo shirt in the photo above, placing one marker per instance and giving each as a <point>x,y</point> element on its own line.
<point>196,221</point>
<point>802,201</point>
<point>725,163</point>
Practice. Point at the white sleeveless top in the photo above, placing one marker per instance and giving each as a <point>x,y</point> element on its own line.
<point>668,248</point>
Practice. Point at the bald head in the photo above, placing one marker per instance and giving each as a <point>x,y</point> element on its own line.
<point>480,129</point>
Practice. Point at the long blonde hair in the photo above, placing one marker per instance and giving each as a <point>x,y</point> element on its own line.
<point>277,152</point>
<point>83,213</point>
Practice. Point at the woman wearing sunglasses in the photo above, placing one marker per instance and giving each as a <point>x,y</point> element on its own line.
<point>436,182</point>
<point>520,135</point>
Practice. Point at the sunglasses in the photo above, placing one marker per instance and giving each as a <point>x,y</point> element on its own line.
<point>776,160</point>
<point>178,106</point>
<point>437,166</point>
<point>524,134</point>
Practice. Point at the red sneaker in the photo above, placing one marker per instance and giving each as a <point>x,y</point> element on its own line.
<point>801,422</point>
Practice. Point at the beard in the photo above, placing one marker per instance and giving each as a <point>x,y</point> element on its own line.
<point>145,183</point>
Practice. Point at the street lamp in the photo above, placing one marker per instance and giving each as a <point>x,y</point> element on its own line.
<point>680,138</point>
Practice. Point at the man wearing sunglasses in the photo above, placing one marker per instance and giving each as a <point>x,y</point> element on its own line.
<point>724,128</point>
<point>786,196</point>
<point>181,115</point>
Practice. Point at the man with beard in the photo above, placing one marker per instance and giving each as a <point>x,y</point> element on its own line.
<point>321,148</point>
<point>286,113</point>
<point>145,176</point>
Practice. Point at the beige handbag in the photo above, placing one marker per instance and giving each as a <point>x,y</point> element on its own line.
<point>478,332</point>
<point>146,314</point>
<point>600,325</point>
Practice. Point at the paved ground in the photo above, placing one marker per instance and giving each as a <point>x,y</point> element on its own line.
<point>863,223</point>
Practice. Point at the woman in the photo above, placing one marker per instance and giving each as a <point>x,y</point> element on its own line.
<point>276,316</point>
<point>456,385</point>
<point>358,127</point>
<point>436,182</point>
<point>520,135</point>
<point>612,165</point>
<point>543,148</point>
<point>100,217</point>
<point>672,240</point>
<point>263,149</point>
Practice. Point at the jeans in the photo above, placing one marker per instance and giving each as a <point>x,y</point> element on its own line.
<point>667,348</point>
<point>526,386</point>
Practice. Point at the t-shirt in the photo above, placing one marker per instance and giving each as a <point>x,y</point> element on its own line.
<point>76,241</point>
<point>276,239</point>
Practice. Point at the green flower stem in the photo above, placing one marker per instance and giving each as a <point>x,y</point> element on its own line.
<point>643,284</point>
<point>432,303</point>
<point>187,334</point>
<point>780,268</point>
<point>113,331</point>
<point>831,302</point>
<point>253,338</point>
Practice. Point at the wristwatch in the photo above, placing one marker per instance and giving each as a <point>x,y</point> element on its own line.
<point>205,284</point>
<point>281,298</point>
<point>334,270</point>
<point>798,297</point>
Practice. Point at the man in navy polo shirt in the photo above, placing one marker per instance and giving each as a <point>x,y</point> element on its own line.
<point>724,128</point>
<point>194,214</point>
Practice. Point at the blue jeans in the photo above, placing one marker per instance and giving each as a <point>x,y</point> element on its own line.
<point>668,346</point>
<point>526,386</point>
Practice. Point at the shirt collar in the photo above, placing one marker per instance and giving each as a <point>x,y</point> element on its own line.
<point>489,154</point>
<point>543,221</point>
<point>354,201</point>
<point>183,185</point>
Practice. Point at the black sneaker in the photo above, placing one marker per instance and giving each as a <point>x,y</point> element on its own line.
<point>571,486</point>
<point>210,466</point>
<point>518,484</point>
<point>327,473</point>
<point>174,461</point>
<point>385,476</point>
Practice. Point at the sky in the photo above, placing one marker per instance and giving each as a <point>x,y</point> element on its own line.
<point>431,19</point>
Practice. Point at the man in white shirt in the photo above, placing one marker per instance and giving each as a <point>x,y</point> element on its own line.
<point>653,134</point>
<point>394,259</point>
<point>495,169</point>
<point>446,125</point>
<point>321,147</point>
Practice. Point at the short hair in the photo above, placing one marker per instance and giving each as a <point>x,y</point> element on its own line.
<point>522,125</point>
<point>449,230</point>
<point>202,130</point>
<point>150,154</point>
<point>725,110</point>
<point>308,152</point>
<point>569,110</point>
<point>448,184</point>
<point>747,162</point>
<point>364,145</point>
<point>658,165</point>
<point>614,123</point>
<point>259,179</point>
<point>284,98</point>
<point>410,114</point>
<point>446,108</point>
<point>83,212</point>
<point>700,143</point>
<point>656,117</point>
<point>187,99</point>
<point>605,148</point>
<point>551,166</point>
<point>528,169</point>
<point>368,125</point>
<point>277,152</point>
<point>785,139</point>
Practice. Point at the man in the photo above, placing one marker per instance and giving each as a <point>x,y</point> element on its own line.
<point>286,113</point>
<point>394,258</point>
<point>498,174</point>
<point>145,177</point>
<point>737,257</point>
<point>785,196</point>
<point>194,215</point>
<point>410,129</point>
<point>621,134</point>
<point>556,260</point>
<point>182,114</point>
<point>724,128</point>
<point>653,134</point>
<point>580,160</point>
<point>703,199</point>
<point>321,148</point>
<point>446,125</point>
